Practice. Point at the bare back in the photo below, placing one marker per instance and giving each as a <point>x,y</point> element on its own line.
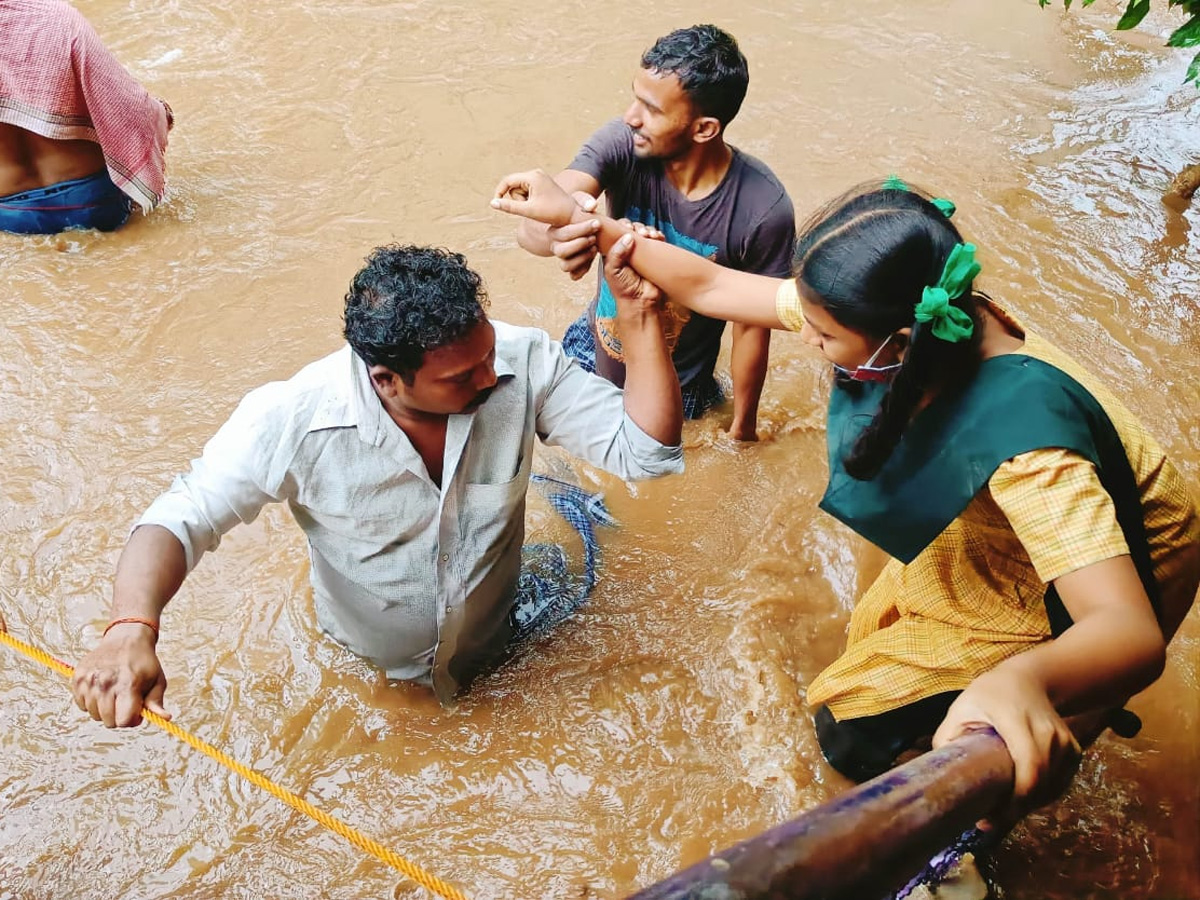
<point>29,161</point>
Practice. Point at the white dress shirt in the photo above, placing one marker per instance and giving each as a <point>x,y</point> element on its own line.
<point>418,579</point>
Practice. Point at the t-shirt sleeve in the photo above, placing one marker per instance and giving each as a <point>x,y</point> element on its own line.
<point>771,242</point>
<point>1059,511</point>
<point>607,155</point>
<point>787,305</point>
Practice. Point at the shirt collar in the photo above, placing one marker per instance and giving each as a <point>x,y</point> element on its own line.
<point>368,411</point>
<point>337,407</point>
<point>502,366</point>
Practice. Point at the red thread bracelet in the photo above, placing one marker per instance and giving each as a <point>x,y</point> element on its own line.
<point>132,620</point>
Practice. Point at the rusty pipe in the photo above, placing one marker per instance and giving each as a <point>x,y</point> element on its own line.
<point>864,843</point>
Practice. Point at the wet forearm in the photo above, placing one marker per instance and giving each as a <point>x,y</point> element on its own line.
<point>652,396</point>
<point>150,571</point>
<point>693,281</point>
<point>682,275</point>
<point>748,362</point>
<point>533,237</point>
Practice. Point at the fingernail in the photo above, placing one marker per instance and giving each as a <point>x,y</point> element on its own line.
<point>495,204</point>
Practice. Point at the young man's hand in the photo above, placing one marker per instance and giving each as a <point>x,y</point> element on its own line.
<point>641,229</point>
<point>574,246</point>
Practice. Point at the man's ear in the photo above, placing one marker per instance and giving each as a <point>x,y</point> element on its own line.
<point>385,380</point>
<point>705,129</point>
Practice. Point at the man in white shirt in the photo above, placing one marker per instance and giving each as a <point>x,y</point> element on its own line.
<point>405,458</point>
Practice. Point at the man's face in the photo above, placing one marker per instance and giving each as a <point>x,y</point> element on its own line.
<point>660,116</point>
<point>454,379</point>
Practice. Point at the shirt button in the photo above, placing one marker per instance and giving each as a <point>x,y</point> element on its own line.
<point>445,557</point>
<point>447,607</point>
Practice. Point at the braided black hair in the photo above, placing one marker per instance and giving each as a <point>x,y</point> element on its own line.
<point>866,258</point>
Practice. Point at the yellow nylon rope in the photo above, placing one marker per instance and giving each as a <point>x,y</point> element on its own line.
<point>417,874</point>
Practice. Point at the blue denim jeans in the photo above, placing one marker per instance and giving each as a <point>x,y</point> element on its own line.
<point>89,202</point>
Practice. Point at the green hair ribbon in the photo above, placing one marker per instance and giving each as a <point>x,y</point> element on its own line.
<point>949,322</point>
<point>946,206</point>
<point>892,183</point>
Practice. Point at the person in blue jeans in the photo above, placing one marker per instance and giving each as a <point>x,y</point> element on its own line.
<point>90,201</point>
<point>81,140</point>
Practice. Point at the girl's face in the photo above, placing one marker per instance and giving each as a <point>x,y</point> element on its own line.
<point>843,346</point>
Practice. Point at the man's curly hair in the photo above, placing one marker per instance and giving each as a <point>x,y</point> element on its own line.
<point>407,300</point>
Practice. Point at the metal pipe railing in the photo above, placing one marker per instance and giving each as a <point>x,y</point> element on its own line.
<point>865,843</point>
<point>871,840</point>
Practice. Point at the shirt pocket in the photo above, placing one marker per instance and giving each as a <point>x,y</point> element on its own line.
<point>491,511</point>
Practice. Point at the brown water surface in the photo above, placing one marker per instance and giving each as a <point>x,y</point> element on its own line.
<point>666,720</point>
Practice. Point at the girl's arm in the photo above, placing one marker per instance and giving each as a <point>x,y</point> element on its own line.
<point>1114,649</point>
<point>685,277</point>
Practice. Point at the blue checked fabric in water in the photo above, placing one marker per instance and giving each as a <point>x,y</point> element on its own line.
<point>579,344</point>
<point>699,395</point>
<point>548,591</point>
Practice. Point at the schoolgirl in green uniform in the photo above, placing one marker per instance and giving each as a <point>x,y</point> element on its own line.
<point>1044,550</point>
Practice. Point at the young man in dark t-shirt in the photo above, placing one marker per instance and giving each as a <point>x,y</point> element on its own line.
<point>666,165</point>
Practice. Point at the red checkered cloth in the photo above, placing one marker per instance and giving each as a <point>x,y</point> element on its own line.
<point>58,80</point>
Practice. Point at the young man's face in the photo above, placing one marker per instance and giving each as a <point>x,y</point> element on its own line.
<point>454,379</point>
<point>660,116</point>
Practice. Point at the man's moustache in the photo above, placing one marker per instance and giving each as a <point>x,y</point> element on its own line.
<point>481,397</point>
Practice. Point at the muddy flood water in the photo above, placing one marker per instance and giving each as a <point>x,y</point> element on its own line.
<point>666,720</point>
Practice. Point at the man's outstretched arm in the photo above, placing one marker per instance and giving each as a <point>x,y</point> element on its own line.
<point>652,395</point>
<point>687,278</point>
<point>634,433</point>
<point>123,674</point>
<point>228,484</point>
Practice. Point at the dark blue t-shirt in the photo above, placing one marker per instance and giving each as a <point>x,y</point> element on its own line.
<point>747,223</point>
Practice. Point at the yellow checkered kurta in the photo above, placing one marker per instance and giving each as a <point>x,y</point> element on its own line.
<point>974,596</point>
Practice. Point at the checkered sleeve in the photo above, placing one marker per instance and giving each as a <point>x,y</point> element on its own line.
<point>1059,511</point>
